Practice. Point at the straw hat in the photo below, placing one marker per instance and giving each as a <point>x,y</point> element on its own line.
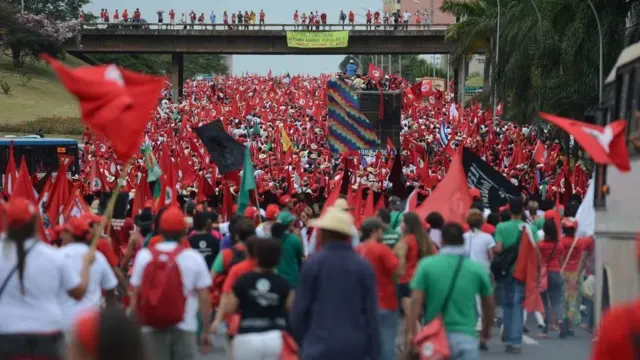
<point>334,219</point>
<point>341,204</point>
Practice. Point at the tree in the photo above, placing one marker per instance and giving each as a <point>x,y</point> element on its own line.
<point>27,35</point>
<point>548,58</point>
<point>59,10</point>
<point>161,64</point>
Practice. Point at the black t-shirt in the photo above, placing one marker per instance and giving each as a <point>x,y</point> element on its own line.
<point>207,245</point>
<point>262,300</point>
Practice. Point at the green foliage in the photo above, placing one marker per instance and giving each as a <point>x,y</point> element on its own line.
<point>48,124</point>
<point>25,79</point>
<point>548,56</point>
<point>161,64</point>
<point>5,87</point>
<point>413,66</point>
<point>60,10</point>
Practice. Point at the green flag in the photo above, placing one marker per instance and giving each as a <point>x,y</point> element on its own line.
<point>247,184</point>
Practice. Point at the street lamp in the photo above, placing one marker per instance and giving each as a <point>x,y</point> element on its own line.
<point>495,85</point>
<point>601,74</point>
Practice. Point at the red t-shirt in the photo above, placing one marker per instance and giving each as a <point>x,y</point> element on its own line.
<point>104,246</point>
<point>412,258</point>
<point>241,268</point>
<point>384,264</point>
<point>552,261</point>
<point>616,333</point>
<point>576,253</point>
<point>486,227</point>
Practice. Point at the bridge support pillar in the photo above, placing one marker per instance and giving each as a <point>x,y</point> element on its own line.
<point>177,75</point>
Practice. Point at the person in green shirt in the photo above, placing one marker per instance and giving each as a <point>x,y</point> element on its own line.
<point>292,250</point>
<point>391,235</point>
<point>434,278</point>
<point>508,235</point>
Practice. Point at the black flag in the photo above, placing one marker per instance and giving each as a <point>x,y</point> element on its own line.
<point>225,151</point>
<point>496,190</point>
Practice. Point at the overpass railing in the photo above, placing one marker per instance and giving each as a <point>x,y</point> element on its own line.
<point>269,27</point>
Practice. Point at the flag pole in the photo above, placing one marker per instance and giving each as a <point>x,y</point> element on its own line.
<point>108,212</point>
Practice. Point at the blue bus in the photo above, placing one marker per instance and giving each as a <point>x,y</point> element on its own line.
<point>41,154</point>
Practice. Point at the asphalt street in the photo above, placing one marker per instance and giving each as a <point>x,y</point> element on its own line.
<point>552,348</point>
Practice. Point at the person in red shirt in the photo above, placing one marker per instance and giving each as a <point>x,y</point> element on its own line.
<point>172,17</point>
<point>116,16</point>
<point>352,17</point>
<point>552,255</point>
<point>125,15</point>
<point>261,18</point>
<point>369,17</point>
<point>106,248</point>
<point>296,18</point>
<point>385,267</point>
<point>106,15</point>
<point>576,255</point>
<point>413,245</point>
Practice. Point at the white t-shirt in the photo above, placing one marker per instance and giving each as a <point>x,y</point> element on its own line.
<point>478,244</point>
<point>436,237</point>
<point>46,275</point>
<point>195,276</point>
<point>406,16</point>
<point>101,277</point>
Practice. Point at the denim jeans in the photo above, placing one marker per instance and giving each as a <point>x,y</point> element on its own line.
<point>513,314</point>
<point>553,299</point>
<point>388,321</point>
<point>463,347</point>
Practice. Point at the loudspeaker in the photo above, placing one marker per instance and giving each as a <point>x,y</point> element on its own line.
<point>389,126</point>
<point>120,210</point>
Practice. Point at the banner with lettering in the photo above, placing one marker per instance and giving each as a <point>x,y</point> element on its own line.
<point>318,39</point>
<point>496,190</point>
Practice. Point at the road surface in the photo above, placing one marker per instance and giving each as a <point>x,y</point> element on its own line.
<point>572,348</point>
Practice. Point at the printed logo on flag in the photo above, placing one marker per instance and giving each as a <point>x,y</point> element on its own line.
<point>432,100</point>
<point>168,196</point>
<point>425,87</point>
<point>376,73</point>
<point>97,184</point>
<point>112,73</point>
<point>427,349</point>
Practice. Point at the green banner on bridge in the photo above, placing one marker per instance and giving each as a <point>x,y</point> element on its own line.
<point>318,39</point>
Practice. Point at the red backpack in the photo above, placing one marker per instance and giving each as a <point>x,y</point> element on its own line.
<point>216,289</point>
<point>161,299</point>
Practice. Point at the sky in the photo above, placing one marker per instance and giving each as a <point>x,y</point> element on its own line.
<point>277,11</point>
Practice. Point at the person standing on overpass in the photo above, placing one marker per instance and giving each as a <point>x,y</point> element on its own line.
<point>351,69</point>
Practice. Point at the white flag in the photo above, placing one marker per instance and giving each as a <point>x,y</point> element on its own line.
<point>586,214</point>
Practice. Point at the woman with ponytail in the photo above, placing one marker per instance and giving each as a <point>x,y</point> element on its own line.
<point>32,275</point>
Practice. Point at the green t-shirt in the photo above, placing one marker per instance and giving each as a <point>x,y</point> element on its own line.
<point>508,233</point>
<point>434,275</point>
<point>395,219</point>
<point>539,222</point>
<point>391,237</point>
<point>218,264</point>
<point>292,253</point>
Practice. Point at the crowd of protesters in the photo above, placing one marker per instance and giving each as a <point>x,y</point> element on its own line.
<point>292,271</point>
<point>252,19</point>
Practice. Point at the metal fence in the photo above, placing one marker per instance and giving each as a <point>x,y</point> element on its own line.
<point>269,27</point>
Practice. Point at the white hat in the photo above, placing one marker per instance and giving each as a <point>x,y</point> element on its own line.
<point>350,61</point>
<point>334,219</point>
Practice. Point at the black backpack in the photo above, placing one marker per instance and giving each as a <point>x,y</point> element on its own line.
<point>504,261</point>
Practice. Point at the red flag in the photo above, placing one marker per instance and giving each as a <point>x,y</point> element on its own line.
<point>526,270</point>
<point>451,197</point>
<point>426,88</point>
<point>540,153</point>
<point>114,102</point>
<point>606,145</point>
<point>23,186</point>
<point>375,72</point>
<point>11,172</point>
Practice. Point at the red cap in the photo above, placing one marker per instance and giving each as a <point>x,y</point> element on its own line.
<point>172,220</point>
<point>20,211</point>
<point>78,226</point>
<point>475,193</point>
<point>148,204</point>
<point>272,212</point>
<point>86,331</point>
<point>284,200</point>
<point>549,214</point>
<point>251,212</point>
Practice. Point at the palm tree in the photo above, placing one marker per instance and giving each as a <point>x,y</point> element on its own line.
<point>546,63</point>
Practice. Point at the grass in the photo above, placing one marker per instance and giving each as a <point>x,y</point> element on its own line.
<point>42,98</point>
<point>474,81</point>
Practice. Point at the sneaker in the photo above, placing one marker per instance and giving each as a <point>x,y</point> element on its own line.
<point>512,349</point>
<point>483,346</point>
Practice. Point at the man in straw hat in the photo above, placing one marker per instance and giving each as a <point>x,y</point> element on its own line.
<point>334,315</point>
<point>340,204</point>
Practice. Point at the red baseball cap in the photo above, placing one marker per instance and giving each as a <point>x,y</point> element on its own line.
<point>284,200</point>
<point>251,212</point>
<point>78,226</point>
<point>272,212</point>
<point>172,220</point>
<point>20,211</point>
<point>549,214</point>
